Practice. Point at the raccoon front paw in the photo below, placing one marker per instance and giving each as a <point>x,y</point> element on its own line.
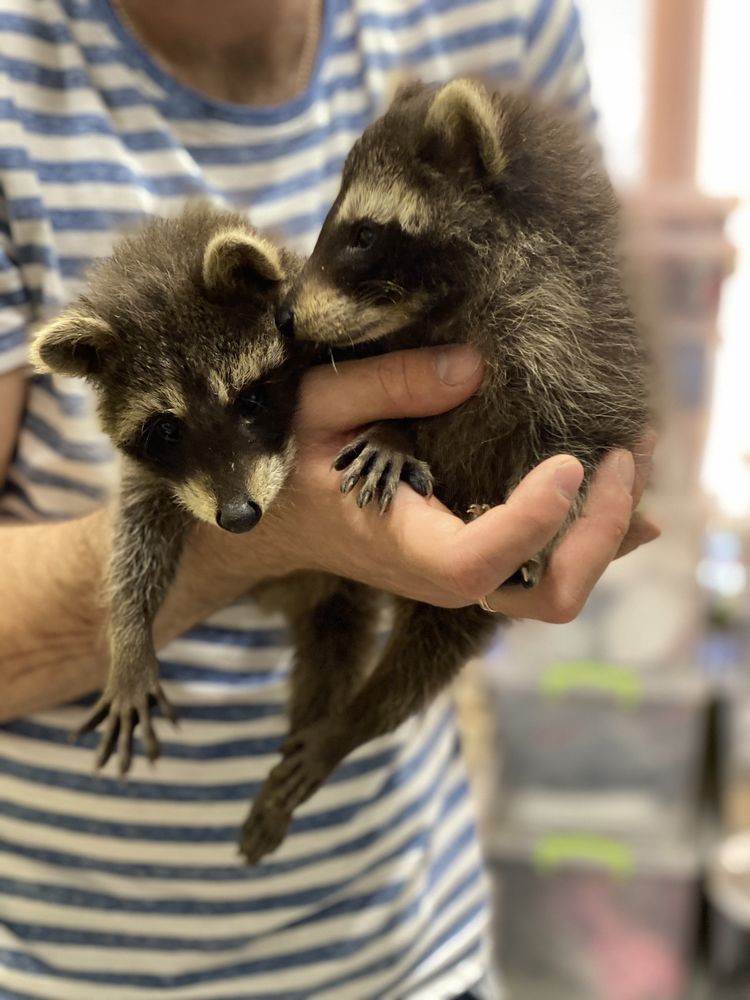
<point>380,465</point>
<point>121,707</point>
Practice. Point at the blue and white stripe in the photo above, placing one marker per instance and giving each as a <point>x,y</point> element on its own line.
<point>133,890</point>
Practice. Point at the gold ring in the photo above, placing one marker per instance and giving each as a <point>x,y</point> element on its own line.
<point>485,607</point>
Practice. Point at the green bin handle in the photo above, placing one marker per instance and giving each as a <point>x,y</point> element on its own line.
<point>555,850</point>
<point>589,675</point>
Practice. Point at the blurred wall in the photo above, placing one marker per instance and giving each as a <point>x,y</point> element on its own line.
<point>724,169</point>
<point>614,37</point>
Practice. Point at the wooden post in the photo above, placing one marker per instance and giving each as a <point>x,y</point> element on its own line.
<point>673,98</point>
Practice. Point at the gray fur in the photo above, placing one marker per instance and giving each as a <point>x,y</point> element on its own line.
<point>180,320</point>
<point>465,216</point>
<point>501,231</point>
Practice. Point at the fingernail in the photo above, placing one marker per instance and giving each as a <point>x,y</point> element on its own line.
<point>568,477</point>
<point>456,364</point>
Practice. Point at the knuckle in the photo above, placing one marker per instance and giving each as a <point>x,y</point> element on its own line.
<point>564,609</point>
<point>618,529</point>
<point>394,377</point>
<point>537,525</point>
<point>468,578</point>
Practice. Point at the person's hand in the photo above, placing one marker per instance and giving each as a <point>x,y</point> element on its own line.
<point>605,531</point>
<point>419,549</point>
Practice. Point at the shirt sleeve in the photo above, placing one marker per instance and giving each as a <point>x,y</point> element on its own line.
<point>15,311</point>
<point>555,64</point>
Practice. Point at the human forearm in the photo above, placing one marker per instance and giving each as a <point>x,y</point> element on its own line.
<point>51,612</point>
<point>53,608</point>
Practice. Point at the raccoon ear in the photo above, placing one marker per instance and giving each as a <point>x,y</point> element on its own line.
<point>401,87</point>
<point>462,123</point>
<point>72,344</point>
<point>237,261</point>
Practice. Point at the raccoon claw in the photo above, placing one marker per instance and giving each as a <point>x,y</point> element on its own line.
<point>121,711</point>
<point>528,576</point>
<point>476,510</point>
<point>380,467</point>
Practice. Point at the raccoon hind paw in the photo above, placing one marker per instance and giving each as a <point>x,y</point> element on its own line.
<point>263,831</point>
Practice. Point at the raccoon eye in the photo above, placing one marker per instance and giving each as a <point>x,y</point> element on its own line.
<point>166,429</point>
<point>250,402</point>
<point>161,437</point>
<point>363,237</point>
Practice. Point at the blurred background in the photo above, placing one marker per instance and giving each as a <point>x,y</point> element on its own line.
<point>611,756</point>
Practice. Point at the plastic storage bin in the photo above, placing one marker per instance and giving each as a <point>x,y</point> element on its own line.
<point>728,888</point>
<point>735,759</point>
<point>602,743</point>
<point>580,916</point>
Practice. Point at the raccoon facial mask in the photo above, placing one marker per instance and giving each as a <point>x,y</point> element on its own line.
<point>399,240</point>
<point>191,375</point>
<point>197,389</point>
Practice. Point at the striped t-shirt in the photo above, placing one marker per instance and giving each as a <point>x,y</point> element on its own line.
<point>133,891</point>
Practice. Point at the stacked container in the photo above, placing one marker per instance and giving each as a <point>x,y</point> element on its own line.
<point>728,876</point>
<point>594,917</point>
<point>593,844</point>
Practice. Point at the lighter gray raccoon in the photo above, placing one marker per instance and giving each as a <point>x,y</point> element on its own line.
<point>197,389</point>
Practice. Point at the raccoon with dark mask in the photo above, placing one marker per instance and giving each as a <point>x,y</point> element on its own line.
<point>466,216</point>
<point>197,389</point>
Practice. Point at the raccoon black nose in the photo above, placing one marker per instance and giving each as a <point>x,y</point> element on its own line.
<point>239,517</point>
<point>285,321</point>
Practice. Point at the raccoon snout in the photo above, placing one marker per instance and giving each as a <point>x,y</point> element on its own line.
<point>239,517</point>
<point>285,321</point>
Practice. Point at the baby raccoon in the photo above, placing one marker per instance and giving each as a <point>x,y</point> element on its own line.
<point>197,389</point>
<point>477,217</point>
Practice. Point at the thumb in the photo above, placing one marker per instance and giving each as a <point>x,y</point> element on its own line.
<point>488,550</point>
<point>415,383</point>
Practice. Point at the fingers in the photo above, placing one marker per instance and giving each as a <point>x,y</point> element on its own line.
<point>640,532</point>
<point>150,742</point>
<point>463,562</point>
<point>97,714</point>
<point>125,743</point>
<point>641,529</point>
<point>494,545</point>
<point>398,384</point>
<point>107,741</point>
<point>643,454</point>
<point>167,709</point>
<point>585,551</point>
